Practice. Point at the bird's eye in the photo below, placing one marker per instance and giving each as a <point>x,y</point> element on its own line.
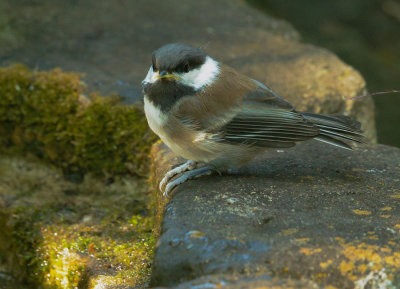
<point>186,68</point>
<point>153,62</point>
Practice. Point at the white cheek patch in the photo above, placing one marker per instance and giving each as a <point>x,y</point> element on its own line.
<point>202,76</point>
<point>196,78</point>
<point>151,76</point>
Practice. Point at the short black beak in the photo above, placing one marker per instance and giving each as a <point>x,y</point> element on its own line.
<point>162,73</point>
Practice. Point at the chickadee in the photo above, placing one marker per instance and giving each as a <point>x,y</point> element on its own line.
<point>219,119</point>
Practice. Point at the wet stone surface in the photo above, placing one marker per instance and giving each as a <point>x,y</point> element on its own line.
<point>313,212</point>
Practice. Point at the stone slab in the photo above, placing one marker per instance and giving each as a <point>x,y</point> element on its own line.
<point>313,212</point>
<point>224,281</point>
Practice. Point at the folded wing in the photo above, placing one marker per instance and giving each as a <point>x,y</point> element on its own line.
<point>266,120</point>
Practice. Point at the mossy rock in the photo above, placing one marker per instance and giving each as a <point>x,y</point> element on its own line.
<point>48,114</point>
<point>62,234</point>
<point>58,234</point>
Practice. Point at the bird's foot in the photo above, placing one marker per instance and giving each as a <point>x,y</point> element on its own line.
<point>193,174</point>
<point>189,165</point>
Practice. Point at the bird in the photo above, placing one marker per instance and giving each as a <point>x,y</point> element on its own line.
<point>219,119</point>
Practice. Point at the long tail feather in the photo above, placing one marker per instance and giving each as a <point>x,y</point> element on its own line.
<point>337,130</point>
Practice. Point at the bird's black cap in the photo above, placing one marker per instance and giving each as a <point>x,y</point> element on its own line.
<point>178,57</point>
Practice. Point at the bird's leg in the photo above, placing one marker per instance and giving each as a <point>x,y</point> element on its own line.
<point>189,165</point>
<point>196,173</point>
<point>233,171</point>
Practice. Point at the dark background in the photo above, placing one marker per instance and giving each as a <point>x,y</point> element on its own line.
<point>365,34</point>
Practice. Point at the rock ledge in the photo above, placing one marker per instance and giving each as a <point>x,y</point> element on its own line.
<point>313,212</point>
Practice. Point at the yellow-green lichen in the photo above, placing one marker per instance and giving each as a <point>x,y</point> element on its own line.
<point>47,114</point>
<point>356,263</point>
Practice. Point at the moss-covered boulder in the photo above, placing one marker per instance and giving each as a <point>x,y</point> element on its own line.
<point>94,232</point>
<point>48,114</point>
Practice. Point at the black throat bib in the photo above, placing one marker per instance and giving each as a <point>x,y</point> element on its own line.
<point>166,93</point>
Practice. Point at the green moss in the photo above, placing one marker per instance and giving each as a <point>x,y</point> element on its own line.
<point>66,235</point>
<point>62,234</point>
<point>47,114</point>
<point>73,259</point>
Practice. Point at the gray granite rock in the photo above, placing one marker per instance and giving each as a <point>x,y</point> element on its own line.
<point>111,42</point>
<point>313,212</point>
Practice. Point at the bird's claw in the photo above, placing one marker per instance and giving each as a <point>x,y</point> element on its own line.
<point>168,189</point>
<point>189,165</point>
<point>192,174</point>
